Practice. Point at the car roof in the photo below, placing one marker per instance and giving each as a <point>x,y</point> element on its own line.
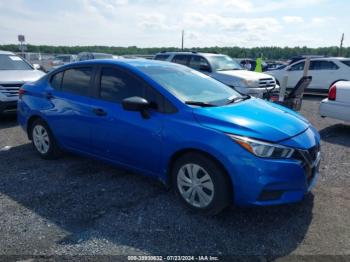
<point>188,53</point>
<point>322,59</point>
<point>93,53</point>
<point>135,63</point>
<point>6,53</point>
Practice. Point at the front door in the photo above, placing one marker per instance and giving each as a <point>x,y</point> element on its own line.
<point>295,73</point>
<point>124,136</point>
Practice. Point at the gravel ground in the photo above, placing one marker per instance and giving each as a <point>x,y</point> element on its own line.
<point>76,206</point>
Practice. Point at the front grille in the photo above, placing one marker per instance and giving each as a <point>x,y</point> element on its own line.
<point>267,82</point>
<point>313,152</point>
<point>10,90</point>
<point>308,159</point>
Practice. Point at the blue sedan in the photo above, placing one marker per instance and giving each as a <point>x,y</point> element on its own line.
<point>214,146</point>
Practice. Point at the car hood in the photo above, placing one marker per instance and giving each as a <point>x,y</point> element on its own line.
<point>19,76</point>
<point>243,74</point>
<point>253,118</point>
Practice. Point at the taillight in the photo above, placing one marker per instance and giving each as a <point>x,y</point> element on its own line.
<point>21,92</point>
<point>332,94</point>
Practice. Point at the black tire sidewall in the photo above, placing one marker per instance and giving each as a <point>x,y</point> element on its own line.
<point>222,189</point>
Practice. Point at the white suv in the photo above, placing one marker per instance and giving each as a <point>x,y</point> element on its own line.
<point>324,71</point>
<point>224,69</point>
<point>14,72</point>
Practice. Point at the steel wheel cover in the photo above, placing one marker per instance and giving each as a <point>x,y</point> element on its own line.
<point>195,185</point>
<point>41,139</point>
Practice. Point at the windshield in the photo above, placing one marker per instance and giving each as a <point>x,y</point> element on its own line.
<point>13,62</point>
<point>223,62</point>
<point>347,62</point>
<point>190,85</point>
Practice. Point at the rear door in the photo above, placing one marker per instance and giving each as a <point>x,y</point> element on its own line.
<point>124,136</point>
<point>71,114</point>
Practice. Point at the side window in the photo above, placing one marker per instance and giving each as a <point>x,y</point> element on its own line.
<point>117,85</point>
<point>56,80</point>
<point>180,59</point>
<point>297,67</point>
<point>323,65</point>
<point>161,57</point>
<point>155,98</point>
<point>77,80</point>
<point>198,62</point>
<point>158,101</point>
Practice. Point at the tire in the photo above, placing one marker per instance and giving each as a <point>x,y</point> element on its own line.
<point>43,140</point>
<point>209,178</point>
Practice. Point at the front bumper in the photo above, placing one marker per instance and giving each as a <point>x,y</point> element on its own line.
<point>265,182</point>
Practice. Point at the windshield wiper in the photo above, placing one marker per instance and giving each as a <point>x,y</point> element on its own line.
<point>238,99</point>
<point>198,103</point>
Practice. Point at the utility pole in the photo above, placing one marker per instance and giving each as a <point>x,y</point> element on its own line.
<point>182,40</point>
<point>341,45</point>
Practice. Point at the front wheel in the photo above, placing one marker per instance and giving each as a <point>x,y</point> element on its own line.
<point>43,140</point>
<point>201,183</point>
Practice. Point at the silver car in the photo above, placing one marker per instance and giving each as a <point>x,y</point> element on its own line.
<point>14,72</point>
<point>226,70</point>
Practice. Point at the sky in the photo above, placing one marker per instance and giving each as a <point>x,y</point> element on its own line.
<point>158,23</point>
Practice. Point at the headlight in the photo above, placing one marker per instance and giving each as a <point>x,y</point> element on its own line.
<point>249,83</point>
<point>263,149</point>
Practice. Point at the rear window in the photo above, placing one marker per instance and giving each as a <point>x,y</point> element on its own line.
<point>161,57</point>
<point>56,80</point>
<point>346,62</point>
<point>77,80</point>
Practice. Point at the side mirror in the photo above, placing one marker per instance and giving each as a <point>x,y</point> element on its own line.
<point>288,68</point>
<point>204,67</point>
<point>137,103</point>
<point>36,66</point>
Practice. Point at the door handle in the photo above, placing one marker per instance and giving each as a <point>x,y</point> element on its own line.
<point>99,112</point>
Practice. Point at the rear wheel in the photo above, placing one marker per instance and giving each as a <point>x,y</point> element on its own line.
<point>43,140</point>
<point>201,184</point>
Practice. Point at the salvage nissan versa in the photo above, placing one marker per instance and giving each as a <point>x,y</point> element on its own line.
<point>213,145</point>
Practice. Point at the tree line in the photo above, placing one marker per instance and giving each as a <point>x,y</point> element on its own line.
<point>274,53</point>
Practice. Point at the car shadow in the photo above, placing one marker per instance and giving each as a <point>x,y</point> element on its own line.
<point>7,121</point>
<point>336,134</point>
<point>88,199</point>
